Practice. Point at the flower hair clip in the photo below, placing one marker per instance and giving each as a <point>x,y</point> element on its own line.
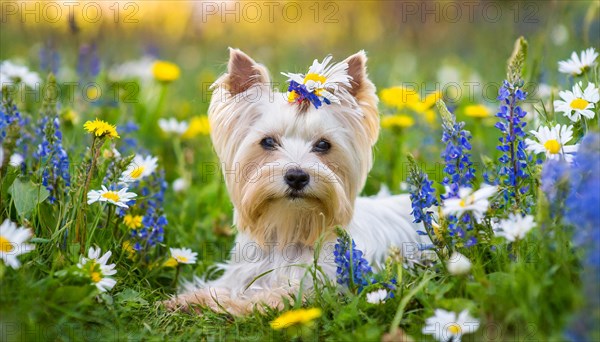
<point>319,84</point>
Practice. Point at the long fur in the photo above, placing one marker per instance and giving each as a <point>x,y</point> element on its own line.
<point>278,233</point>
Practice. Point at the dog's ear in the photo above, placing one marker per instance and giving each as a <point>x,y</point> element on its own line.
<point>363,91</point>
<point>242,73</point>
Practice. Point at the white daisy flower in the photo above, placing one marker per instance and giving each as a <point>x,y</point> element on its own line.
<point>322,79</point>
<point>180,184</point>
<point>15,73</point>
<point>468,201</point>
<point>12,243</point>
<point>183,255</point>
<point>553,142</point>
<point>515,227</point>
<point>576,65</point>
<point>377,297</point>
<point>172,126</point>
<point>577,103</point>
<point>97,269</point>
<point>139,168</point>
<point>137,69</point>
<point>16,160</point>
<point>118,198</point>
<point>448,326</point>
<point>458,264</point>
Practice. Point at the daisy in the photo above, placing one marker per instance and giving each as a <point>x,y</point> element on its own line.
<point>322,79</point>
<point>96,268</point>
<point>553,142</point>
<point>515,227</point>
<point>180,185</point>
<point>118,198</point>
<point>137,69</point>
<point>448,326</point>
<point>183,255</point>
<point>15,73</point>
<point>139,168</point>
<point>377,297</point>
<point>171,125</point>
<point>577,103</point>
<point>576,65</point>
<point>12,243</point>
<point>101,129</point>
<point>468,201</point>
<point>458,264</point>
<point>16,160</point>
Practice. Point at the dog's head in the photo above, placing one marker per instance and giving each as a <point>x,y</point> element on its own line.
<point>292,170</point>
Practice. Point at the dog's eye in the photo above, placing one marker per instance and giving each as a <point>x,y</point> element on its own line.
<point>322,146</point>
<point>268,143</point>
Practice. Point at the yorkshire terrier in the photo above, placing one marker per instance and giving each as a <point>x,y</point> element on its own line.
<point>294,164</point>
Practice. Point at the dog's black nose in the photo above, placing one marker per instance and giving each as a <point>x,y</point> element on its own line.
<point>297,179</point>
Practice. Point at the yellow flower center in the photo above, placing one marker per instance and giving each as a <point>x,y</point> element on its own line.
<point>5,245</point>
<point>552,146</point>
<point>137,172</point>
<point>96,277</point>
<point>111,195</point>
<point>315,77</point>
<point>463,203</point>
<point>579,104</point>
<point>182,259</point>
<point>454,329</point>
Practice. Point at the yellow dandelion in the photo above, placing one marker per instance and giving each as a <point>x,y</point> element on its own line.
<point>101,129</point>
<point>165,71</point>
<point>293,317</point>
<point>399,97</point>
<point>198,126</point>
<point>132,221</point>
<point>422,105</point>
<point>477,111</point>
<point>397,121</point>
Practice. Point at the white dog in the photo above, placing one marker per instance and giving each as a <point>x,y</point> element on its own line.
<point>294,164</point>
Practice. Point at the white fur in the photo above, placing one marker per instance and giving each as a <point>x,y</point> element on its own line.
<point>277,233</point>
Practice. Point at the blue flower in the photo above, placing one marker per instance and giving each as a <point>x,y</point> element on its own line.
<point>53,157</point>
<point>512,172</point>
<point>422,196</point>
<point>352,269</point>
<point>154,221</point>
<point>457,158</point>
<point>554,179</point>
<point>88,62</point>
<point>303,94</point>
<point>582,212</point>
<point>49,59</point>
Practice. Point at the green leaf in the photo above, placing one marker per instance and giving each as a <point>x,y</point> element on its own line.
<point>26,195</point>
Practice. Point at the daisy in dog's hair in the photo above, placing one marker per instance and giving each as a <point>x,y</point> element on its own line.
<point>319,83</point>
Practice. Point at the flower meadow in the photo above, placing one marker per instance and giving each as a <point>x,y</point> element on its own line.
<point>112,201</point>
